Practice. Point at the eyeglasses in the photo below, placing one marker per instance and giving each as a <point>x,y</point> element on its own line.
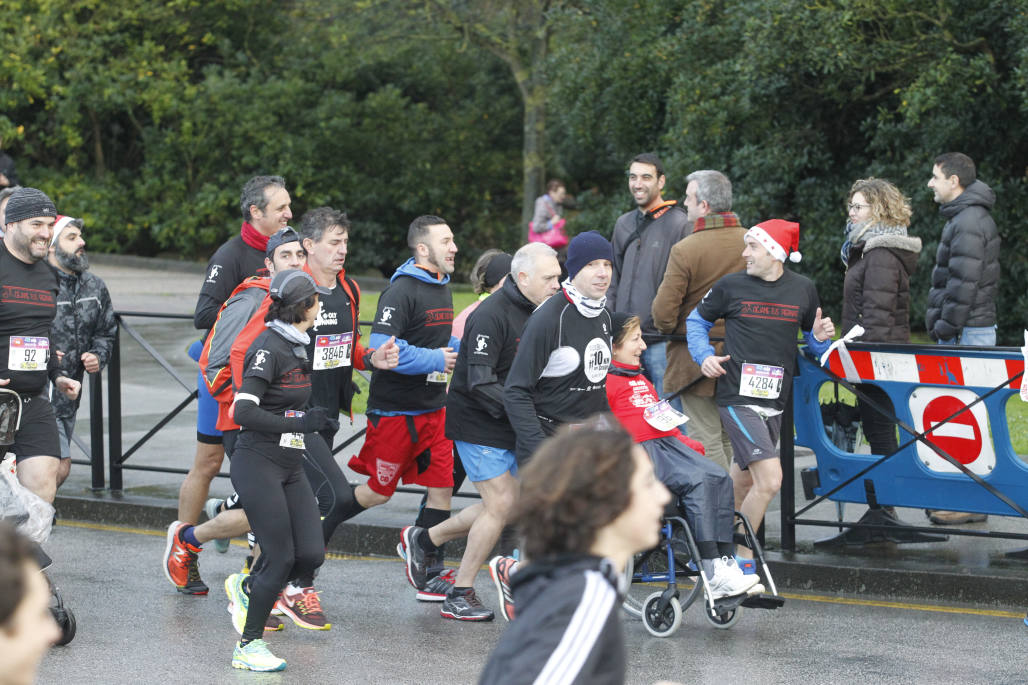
<point>856,206</point>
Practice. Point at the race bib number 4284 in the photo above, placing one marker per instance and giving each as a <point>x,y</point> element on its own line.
<point>761,381</point>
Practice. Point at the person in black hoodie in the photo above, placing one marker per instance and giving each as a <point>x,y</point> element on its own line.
<point>589,501</point>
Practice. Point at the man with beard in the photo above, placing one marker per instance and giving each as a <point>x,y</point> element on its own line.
<point>84,328</point>
<point>28,296</point>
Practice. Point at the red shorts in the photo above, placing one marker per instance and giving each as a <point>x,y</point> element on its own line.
<point>412,448</point>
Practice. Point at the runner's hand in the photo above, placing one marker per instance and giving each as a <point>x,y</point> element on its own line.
<point>91,362</point>
<point>387,356</point>
<point>451,358</point>
<point>69,386</point>
<point>823,329</point>
<point>712,368</point>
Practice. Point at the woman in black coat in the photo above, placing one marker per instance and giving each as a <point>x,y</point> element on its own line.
<point>880,258</point>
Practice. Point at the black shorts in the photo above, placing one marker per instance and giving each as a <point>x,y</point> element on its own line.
<point>37,433</point>
<point>753,437</point>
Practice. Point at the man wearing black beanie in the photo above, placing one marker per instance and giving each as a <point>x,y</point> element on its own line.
<point>28,297</point>
<point>560,370</point>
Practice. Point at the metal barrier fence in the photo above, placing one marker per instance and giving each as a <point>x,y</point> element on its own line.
<point>118,456</point>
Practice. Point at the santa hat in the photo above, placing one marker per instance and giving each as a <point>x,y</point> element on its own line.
<point>59,225</point>
<point>781,238</point>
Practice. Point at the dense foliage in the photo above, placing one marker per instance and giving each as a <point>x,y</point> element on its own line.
<point>146,117</point>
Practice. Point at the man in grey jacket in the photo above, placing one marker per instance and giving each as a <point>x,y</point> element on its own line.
<point>962,301</point>
<point>84,328</point>
<point>642,243</point>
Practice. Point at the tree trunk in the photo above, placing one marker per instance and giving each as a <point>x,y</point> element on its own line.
<point>532,152</point>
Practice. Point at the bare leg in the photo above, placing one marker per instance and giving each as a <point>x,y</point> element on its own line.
<point>39,474</point>
<point>227,524</point>
<point>766,476</point>
<point>195,487</point>
<point>499,495</point>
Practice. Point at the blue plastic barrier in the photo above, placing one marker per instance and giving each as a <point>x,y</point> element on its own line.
<point>928,385</point>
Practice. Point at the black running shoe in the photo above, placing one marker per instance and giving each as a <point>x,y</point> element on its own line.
<point>417,569</point>
<point>464,606</point>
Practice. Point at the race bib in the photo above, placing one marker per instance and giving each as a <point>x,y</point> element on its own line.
<point>332,351</point>
<point>663,416</point>
<point>437,377</point>
<point>28,354</point>
<point>761,381</point>
<point>292,440</point>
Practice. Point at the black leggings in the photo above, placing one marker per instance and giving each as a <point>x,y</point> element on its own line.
<point>330,487</point>
<point>284,517</point>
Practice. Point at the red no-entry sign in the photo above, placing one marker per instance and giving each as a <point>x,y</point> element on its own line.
<point>965,437</point>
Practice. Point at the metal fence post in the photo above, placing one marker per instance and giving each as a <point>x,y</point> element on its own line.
<point>114,412</point>
<point>96,430</point>
<point>787,495</point>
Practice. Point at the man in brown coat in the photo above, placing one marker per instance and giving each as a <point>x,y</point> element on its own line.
<point>696,262</point>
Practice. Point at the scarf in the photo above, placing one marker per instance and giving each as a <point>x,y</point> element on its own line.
<point>716,220</point>
<point>289,332</point>
<point>587,307</point>
<point>855,233</point>
<point>252,237</point>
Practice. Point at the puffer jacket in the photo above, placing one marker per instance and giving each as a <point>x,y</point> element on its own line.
<point>876,293</point>
<point>84,323</point>
<point>966,275</point>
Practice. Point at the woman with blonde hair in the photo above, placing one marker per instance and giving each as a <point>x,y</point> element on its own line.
<point>880,258</point>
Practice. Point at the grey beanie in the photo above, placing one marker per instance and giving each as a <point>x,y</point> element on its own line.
<point>28,203</point>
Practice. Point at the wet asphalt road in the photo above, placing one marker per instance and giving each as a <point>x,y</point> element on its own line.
<point>133,627</point>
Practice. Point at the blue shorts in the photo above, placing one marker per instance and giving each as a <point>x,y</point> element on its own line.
<point>482,462</point>
<point>206,406</point>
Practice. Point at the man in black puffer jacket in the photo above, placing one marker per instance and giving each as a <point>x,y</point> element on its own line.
<point>962,301</point>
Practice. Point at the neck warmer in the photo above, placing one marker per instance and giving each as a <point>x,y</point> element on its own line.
<point>289,332</point>
<point>252,237</point>
<point>586,307</point>
<point>856,233</point>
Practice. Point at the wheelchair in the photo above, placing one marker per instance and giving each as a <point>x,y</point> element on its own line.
<point>675,556</point>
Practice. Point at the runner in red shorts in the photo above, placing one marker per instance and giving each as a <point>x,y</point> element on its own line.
<point>406,406</point>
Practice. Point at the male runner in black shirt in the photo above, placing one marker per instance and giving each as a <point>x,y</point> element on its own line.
<point>28,296</point>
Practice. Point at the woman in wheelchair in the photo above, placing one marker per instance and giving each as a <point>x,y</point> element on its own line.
<point>702,490</point>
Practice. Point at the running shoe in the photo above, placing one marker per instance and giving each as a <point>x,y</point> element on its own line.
<point>256,656</point>
<point>438,587</point>
<point>180,565</point>
<point>417,570</point>
<point>501,569</point>
<point>211,508</point>
<point>239,600</point>
<point>729,580</point>
<point>303,606</point>
<point>465,606</point>
<point>272,624</point>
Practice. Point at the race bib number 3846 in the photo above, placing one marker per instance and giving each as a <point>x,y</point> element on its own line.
<point>332,351</point>
<point>28,354</point>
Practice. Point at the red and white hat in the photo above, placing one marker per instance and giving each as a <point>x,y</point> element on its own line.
<point>781,238</point>
<point>59,225</point>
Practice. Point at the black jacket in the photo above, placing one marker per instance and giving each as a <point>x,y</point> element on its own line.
<point>559,373</point>
<point>233,263</point>
<point>876,293</point>
<point>966,275</point>
<point>84,323</point>
<point>474,404</point>
<point>573,597</point>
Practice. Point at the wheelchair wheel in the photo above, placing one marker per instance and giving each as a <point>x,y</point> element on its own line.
<point>66,622</point>
<point>724,620</point>
<point>661,623</point>
<point>632,606</point>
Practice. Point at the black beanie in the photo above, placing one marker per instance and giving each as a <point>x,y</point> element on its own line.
<point>28,203</point>
<point>498,267</point>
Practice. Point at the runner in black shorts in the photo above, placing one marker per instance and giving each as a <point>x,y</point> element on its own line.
<point>28,296</point>
<point>763,308</point>
<point>267,464</point>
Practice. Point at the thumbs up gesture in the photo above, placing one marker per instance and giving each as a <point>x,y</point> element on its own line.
<point>387,356</point>
<point>823,328</point>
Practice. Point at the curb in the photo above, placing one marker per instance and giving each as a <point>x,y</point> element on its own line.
<point>792,572</point>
